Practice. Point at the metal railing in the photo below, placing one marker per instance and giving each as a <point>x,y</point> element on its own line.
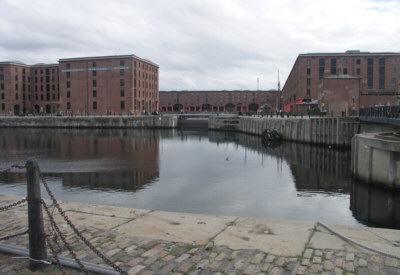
<point>381,114</point>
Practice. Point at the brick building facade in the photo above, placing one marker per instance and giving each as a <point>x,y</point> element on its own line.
<point>89,85</point>
<point>379,75</point>
<point>217,101</point>
<point>15,78</point>
<point>45,90</point>
<point>113,84</point>
<point>339,95</point>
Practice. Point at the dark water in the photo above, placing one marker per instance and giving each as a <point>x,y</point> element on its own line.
<point>197,172</point>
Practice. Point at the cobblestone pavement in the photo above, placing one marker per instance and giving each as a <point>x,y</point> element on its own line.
<point>148,256</point>
<point>145,256</point>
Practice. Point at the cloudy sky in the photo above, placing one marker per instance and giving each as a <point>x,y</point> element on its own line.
<point>198,44</point>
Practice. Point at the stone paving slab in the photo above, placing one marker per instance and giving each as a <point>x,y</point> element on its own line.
<point>105,210</point>
<point>271,236</point>
<point>323,239</point>
<point>228,245</point>
<point>189,228</point>
<point>385,240</point>
<point>98,221</point>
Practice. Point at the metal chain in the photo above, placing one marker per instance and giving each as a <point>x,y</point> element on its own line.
<point>55,253</point>
<point>2,208</point>
<point>14,235</point>
<point>55,240</point>
<point>82,267</point>
<point>52,235</point>
<point>51,238</point>
<point>6,170</point>
<point>18,166</point>
<point>3,171</point>
<point>91,246</point>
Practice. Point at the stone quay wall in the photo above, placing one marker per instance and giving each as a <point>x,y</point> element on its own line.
<point>376,158</point>
<point>91,122</point>
<point>322,131</point>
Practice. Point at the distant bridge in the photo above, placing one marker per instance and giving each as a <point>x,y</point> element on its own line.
<point>196,121</point>
<point>384,115</point>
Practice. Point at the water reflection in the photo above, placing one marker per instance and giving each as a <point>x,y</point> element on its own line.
<point>108,159</point>
<point>314,168</point>
<point>375,206</point>
<point>211,172</point>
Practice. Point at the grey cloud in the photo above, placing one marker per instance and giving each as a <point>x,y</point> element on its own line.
<point>198,44</point>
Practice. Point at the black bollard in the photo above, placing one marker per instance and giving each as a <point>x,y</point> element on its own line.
<point>37,245</point>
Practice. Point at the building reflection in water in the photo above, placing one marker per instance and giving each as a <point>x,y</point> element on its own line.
<point>129,160</point>
<point>320,169</point>
<point>375,206</point>
<point>314,168</point>
<point>102,158</point>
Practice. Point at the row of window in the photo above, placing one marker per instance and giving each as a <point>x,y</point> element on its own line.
<point>333,71</point>
<point>121,93</point>
<point>53,96</point>
<point>94,105</point>
<point>36,71</point>
<point>121,73</point>
<point>53,79</point>
<point>212,102</point>
<point>94,83</point>
<point>46,70</point>
<point>48,98</point>
<point>16,78</point>
<point>370,71</point>
<point>244,94</point>
<point>53,88</point>
<point>370,81</point>
<point>122,63</point>
<point>94,64</point>
<point>94,93</point>
<point>217,100</point>
<point>206,106</point>
<point>121,83</point>
<point>370,62</point>
<point>358,71</point>
<point>358,61</point>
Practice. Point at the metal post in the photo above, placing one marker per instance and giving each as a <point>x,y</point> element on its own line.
<point>37,246</point>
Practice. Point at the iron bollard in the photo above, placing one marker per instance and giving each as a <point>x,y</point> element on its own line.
<point>37,245</point>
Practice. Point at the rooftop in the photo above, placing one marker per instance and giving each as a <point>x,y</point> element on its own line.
<point>44,65</point>
<point>352,53</point>
<point>219,91</point>
<point>18,63</point>
<point>107,57</point>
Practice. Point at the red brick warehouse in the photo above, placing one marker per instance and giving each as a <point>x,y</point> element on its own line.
<point>108,84</point>
<point>15,87</point>
<point>320,76</point>
<point>122,84</point>
<point>217,101</point>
